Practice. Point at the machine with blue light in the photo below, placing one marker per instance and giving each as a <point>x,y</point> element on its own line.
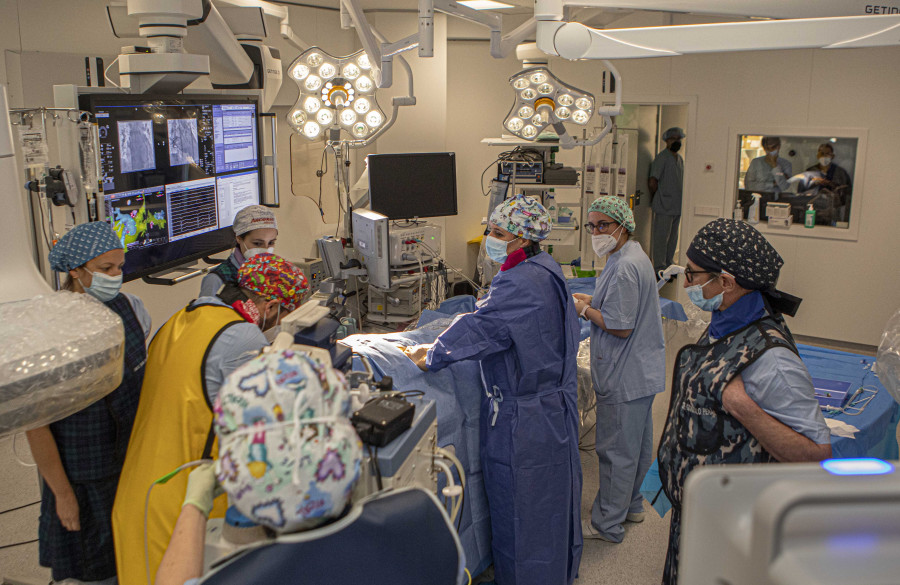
<point>834,522</point>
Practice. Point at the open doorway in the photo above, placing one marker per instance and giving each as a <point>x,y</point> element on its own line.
<point>645,124</point>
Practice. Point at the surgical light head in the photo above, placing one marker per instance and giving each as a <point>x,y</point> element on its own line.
<point>336,93</point>
<point>542,99</point>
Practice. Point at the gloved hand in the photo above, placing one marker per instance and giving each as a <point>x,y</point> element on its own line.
<point>418,354</point>
<point>203,488</point>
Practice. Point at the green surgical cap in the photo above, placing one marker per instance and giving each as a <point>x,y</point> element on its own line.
<point>616,208</point>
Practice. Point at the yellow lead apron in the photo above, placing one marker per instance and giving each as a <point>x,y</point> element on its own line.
<point>173,426</point>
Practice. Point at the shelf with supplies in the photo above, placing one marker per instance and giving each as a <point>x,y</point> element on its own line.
<point>562,199</point>
<point>545,186</point>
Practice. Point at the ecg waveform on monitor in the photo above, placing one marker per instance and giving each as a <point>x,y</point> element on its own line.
<point>192,208</point>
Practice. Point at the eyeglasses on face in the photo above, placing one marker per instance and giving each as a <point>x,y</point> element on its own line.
<point>689,274</point>
<point>600,226</point>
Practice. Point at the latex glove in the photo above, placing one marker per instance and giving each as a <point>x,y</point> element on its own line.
<point>418,355</point>
<point>68,511</point>
<point>203,488</point>
<point>582,297</point>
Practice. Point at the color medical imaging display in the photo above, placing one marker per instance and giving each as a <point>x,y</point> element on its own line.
<point>804,172</point>
<point>174,171</point>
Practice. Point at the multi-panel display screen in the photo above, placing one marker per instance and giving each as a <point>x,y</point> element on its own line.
<point>174,172</point>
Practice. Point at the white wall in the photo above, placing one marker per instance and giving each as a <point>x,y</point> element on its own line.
<point>850,288</point>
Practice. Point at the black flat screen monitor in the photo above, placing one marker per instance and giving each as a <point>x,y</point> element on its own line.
<point>403,186</point>
<point>174,172</point>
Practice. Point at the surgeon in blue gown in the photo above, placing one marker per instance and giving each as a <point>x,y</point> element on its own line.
<point>525,333</point>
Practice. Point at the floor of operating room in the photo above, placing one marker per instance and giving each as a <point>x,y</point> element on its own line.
<point>638,559</point>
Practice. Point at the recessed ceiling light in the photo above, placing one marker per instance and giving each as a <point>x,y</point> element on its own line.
<point>484,4</point>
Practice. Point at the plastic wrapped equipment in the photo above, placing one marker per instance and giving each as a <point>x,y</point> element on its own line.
<point>60,353</point>
<point>888,357</point>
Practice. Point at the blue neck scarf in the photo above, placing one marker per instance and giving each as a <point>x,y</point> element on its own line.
<point>746,310</point>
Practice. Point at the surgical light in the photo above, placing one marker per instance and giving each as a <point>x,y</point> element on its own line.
<point>361,106</point>
<point>324,117</point>
<point>542,99</point>
<point>298,117</point>
<point>327,71</point>
<point>330,96</point>
<point>374,118</point>
<point>312,105</point>
<point>313,83</point>
<point>350,71</point>
<point>311,130</point>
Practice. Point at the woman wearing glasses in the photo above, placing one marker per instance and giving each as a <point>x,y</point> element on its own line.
<point>628,366</point>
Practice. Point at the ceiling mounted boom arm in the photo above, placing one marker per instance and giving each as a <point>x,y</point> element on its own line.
<point>381,53</point>
<point>573,40</point>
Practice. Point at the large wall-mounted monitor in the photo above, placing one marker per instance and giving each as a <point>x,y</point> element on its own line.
<point>174,172</point>
<point>404,186</point>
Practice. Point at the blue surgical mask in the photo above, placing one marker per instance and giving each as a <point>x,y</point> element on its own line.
<point>103,287</point>
<point>496,249</point>
<point>695,293</point>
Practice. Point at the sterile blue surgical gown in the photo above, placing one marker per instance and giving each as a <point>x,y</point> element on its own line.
<point>525,334</point>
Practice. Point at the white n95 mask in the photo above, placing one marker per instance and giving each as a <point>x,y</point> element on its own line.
<point>251,252</point>
<point>603,244</point>
<point>288,455</point>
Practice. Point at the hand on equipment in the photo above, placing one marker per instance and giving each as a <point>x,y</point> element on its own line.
<point>68,512</point>
<point>203,488</point>
<point>418,354</point>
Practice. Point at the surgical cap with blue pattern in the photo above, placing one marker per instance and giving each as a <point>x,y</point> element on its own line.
<point>523,217</point>
<point>83,242</point>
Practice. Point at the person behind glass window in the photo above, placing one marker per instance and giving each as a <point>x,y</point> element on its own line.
<point>769,173</point>
<point>831,176</point>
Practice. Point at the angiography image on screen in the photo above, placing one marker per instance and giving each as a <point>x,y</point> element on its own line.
<point>139,217</point>
<point>175,169</point>
<point>136,151</point>
<point>184,146</point>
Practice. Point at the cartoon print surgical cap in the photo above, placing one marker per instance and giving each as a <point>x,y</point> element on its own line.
<point>616,208</point>
<point>273,278</point>
<point>84,242</point>
<point>523,217</point>
<point>288,455</point>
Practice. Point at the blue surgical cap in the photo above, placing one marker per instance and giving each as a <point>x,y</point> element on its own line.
<point>673,132</point>
<point>83,242</point>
